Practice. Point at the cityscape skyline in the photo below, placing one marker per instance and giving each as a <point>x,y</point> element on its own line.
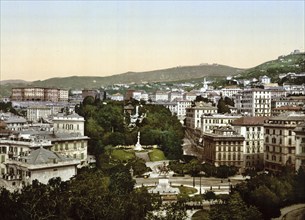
<point>44,39</point>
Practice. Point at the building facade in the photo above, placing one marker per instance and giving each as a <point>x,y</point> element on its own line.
<point>280,141</point>
<point>39,94</point>
<point>223,147</point>
<point>252,129</point>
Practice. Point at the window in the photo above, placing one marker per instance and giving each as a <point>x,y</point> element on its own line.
<point>74,145</point>
<point>267,139</point>
<point>66,146</point>
<point>267,131</point>
<point>82,156</point>
<point>289,141</point>
<point>289,132</point>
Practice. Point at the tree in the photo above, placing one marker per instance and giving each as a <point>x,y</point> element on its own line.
<point>266,201</point>
<point>222,106</point>
<point>234,209</point>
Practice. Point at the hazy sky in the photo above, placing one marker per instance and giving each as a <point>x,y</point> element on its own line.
<point>44,39</point>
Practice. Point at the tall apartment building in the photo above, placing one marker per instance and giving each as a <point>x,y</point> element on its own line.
<point>223,147</point>
<point>254,102</point>
<point>252,129</point>
<point>280,141</point>
<point>39,94</point>
<point>300,146</point>
<point>193,114</point>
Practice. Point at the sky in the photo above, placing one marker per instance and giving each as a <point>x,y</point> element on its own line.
<point>45,39</point>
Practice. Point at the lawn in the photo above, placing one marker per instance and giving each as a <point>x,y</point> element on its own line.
<point>122,155</point>
<point>156,155</point>
<point>201,215</point>
<point>186,190</point>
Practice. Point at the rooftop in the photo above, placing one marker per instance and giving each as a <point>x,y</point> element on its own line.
<point>258,120</point>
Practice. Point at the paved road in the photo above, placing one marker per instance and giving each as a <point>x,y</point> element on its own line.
<point>188,180</point>
<point>293,212</point>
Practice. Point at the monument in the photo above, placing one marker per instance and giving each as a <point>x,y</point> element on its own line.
<point>164,187</point>
<point>138,146</point>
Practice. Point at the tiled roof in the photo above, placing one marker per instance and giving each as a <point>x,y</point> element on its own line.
<point>43,156</point>
<point>258,120</point>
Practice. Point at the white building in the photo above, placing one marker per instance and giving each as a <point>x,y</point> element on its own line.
<point>265,79</point>
<point>117,97</point>
<point>193,114</point>
<point>254,102</point>
<point>161,96</point>
<point>230,92</point>
<point>181,109</point>
<point>280,141</point>
<point>72,123</point>
<point>252,129</point>
<point>34,113</point>
<point>63,95</point>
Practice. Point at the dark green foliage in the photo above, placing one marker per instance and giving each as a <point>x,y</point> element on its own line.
<point>7,107</point>
<point>105,125</point>
<point>91,195</point>
<point>222,107</point>
<point>270,193</point>
<point>234,209</point>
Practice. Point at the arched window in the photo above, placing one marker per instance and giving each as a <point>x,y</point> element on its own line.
<point>267,139</point>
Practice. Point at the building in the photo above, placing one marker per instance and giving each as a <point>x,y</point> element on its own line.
<point>254,102</point>
<point>39,94</point>
<point>189,96</point>
<point>41,165</point>
<point>17,145</point>
<point>117,97</point>
<point>288,101</point>
<point>280,141</point>
<point>181,108</point>
<point>209,121</point>
<point>252,129</point>
<point>160,96</point>
<point>175,96</point>
<point>35,113</point>
<point>230,91</point>
<point>280,110</point>
<point>223,147</point>
<point>264,79</point>
<point>90,92</point>
<point>300,146</point>
<point>14,122</point>
<point>193,114</point>
<point>72,123</point>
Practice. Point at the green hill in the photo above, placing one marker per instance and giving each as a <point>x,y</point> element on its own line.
<point>164,75</point>
<point>294,63</point>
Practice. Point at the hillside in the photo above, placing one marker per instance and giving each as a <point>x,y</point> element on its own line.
<point>164,75</point>
<point>294,63</point>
